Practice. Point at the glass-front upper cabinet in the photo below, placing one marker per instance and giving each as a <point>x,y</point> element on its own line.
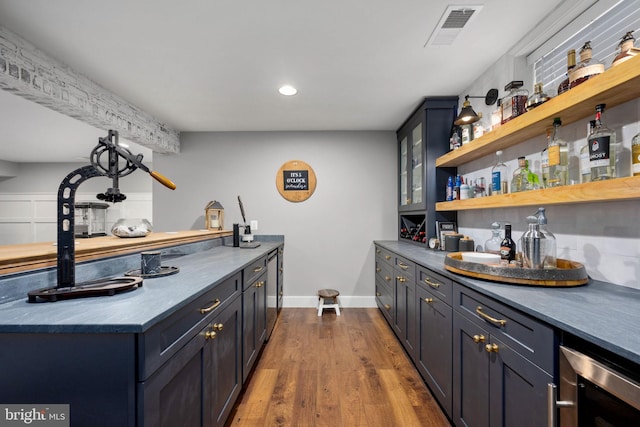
<point>411,167</point>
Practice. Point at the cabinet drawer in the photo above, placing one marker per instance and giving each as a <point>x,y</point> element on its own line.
<point>526,335</point>
<point>251,272</point>
<point>405,267</point>
<point>385,256</point>
<point>164,339</point>
<point>384,273</point>
<point>438,285</point>
<point>384,298</point>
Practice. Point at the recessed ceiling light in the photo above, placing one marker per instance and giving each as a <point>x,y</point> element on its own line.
<point>288,90</point>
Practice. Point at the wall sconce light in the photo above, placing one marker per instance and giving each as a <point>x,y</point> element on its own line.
<point>467,114</point>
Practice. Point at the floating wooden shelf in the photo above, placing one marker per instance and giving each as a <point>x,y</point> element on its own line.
<point>615,86</point>
<point>615,189</point>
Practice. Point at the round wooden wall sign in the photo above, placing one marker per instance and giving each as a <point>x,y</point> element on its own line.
<point>296,181</point>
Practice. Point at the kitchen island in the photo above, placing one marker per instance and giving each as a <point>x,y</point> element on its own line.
<point>169,351</point>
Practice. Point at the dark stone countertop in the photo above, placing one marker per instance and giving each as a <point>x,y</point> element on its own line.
<point>601,313</point>
<point>135,311</point>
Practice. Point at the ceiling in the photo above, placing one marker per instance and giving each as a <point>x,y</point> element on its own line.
<point>205,65</point>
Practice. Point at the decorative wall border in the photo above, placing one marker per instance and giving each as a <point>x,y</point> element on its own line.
<point>29,72</point>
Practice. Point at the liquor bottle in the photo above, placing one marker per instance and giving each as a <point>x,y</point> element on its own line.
<point>635,155</point>
<point>465,190</point>
<point>467,133</point>
<point>585,164</point>
<point>571,64</point>
<point>456,188</point>
<point>507,246</point>
<point>492,245</point>
<point>538,97</point>
<point>496,116</point>
<point>515,103</point>
<point>627,50</point>
<point>558,157</point>
<point>478,127</point>
<point>520,181</point>
<point>450,189</point>
<point>523,178</point>
<point>499,176</point>
<point>603,149</point>
<point>587,68</point>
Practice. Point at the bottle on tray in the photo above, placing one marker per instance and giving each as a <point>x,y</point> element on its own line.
<point>507,246</point>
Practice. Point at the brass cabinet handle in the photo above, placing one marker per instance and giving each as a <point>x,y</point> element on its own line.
<point>217,326</point>
<point>378,294</point>
<point>428,300</point>
<point>387,306</point>
<point>378,269</point>
<point>387,257</point>
<point>387,278</point>
<point>491,348</point>
<point>210,335</point>
<point>259,284</point>
<point>211,307</point>
<point>281,269</point>
<point>402,265</point>
<point>377,251</point>
<point>281,293</point>
<point>478,338</point>
<point>434,285</point>
<point>485,316</point>
<point>257,269</point>
<point>401,279</point>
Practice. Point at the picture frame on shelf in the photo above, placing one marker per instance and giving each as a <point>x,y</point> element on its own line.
<point>443,228</point>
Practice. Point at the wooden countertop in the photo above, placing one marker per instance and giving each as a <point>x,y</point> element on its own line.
<point>31,256</point>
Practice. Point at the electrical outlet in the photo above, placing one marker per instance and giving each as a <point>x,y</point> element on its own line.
<point>254,225</point>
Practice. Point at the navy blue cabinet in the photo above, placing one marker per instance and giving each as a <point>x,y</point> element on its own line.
<point>434,334</point>
<point>385,283</point>
<point>199,385</point>
<point>254,313</point>
<point>486,364</point>
<point>503,361</point>
<point>405,304</point>
<point>422,138</point>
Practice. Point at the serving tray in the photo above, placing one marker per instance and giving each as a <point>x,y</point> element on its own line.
<point>106,287</point>
<point>568,273</point>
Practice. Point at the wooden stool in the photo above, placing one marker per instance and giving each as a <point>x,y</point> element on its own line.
<point>328,294</point>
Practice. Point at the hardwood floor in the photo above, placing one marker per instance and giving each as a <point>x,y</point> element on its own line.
<point>335,371</point>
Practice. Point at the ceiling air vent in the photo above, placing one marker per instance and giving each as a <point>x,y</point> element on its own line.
<point>454,19</point>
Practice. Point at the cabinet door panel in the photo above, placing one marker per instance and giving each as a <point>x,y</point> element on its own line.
<point>254,313</point>
<point>470,374</point>
<point>223,364</point>
<point>434,348</point>
<point>518,389</point>
<point>172,396</point>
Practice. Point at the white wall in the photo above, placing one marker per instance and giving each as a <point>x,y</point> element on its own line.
<point>604,236</point>
<point>28,200</point>
<point>328,238</point>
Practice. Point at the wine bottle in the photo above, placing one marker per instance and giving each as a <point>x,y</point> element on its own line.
<point>507,246</point>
